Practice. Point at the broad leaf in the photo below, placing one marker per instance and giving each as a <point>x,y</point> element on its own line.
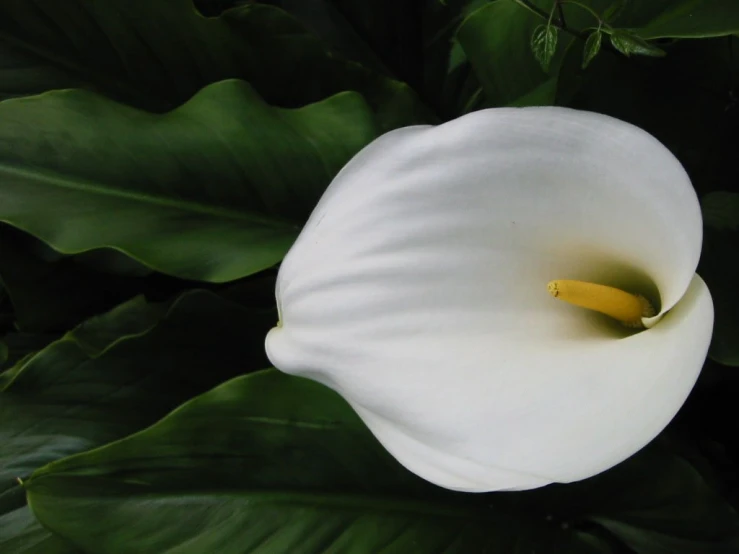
<point>720,268</point>
<point>449,83</point>
<point>684,18</point>
<point>23,73</point>
<point>271,463</point>
<point>656,502</point>
<point>497,41</point>
<point>381,35</point>
<point>119,47</point>
<point>53,295</point>
<point>18,346</point>
<point>119,372</point>
<point>110,377</point>
<point>212,191</point>
<point>20,531</point>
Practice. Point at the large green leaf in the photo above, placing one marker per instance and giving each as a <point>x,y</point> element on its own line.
<point>497,41</point>
<point>298,472</point>
<point>719,266</point>
<point>656,502</point>
<point>120,47</point>
<point>271,463</point>
<point>53,295</point>
<point>20,531</point>
<point>112,376</point>
<point>682,18</point>
<point>410,40</point>
<point>214,191</point>
<point>348,30</point>
<point>450,83</point>
<point>23,73</point>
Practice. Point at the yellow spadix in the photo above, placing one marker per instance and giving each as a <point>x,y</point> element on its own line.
<point>626,307</point>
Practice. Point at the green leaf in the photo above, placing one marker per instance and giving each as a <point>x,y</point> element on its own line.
<point>213,191</point>
<point>120,49</point>
<point>592,47</point>
<point>20,531</point>
<point>721,210</point>
<point>23,73</point>
<point>629,43</point>
<point>544,44</point>
<point>688,18</point>
<point>110,377</point>
<point>19,346</point>
<point>497,41</point>
<point>51,296</point>
<point>345,31</point>
<point>272,463</point>
<point>120,372</point>
<point>719,266</point>
<point>449,82</point>
<point>656,502</point>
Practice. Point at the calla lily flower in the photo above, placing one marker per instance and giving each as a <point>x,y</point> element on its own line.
<point>418,291</point>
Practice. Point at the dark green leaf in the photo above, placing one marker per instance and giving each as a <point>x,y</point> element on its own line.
<point>497,42</point>
<point>21,533</point>
<point>496,39</point>
<point>720,268</point>
<point>656,502</point>
<point>721,211</point>
<point>295,471</point>
<point>120,48</point>
<point>212,191</point>
<point>544,44</point>
<point>629,43</point>
<point>687,18</point>
<point>22,345</point>
<point>449,82</point>
<point>592,47</point>
<point>50,296</point>
<point>110,377</point>
<point>119,372</point>
<point>23,73</point>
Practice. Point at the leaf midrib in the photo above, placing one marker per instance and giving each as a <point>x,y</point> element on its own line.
<point>341,502</point>
<point>55,179</point>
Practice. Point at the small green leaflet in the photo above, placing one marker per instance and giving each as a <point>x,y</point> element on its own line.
<point>629,43</point>
<point>544,44</point>
<point>592,47</point>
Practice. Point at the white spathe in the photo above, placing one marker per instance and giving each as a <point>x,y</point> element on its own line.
<point>417,290</point>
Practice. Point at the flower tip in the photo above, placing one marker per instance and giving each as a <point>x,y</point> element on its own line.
<point>553,288</point>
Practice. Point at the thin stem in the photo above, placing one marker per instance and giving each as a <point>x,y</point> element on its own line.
<point>561,14</point>
<point>533,9</point>
<point>584,7</point>
<point>544,15</point>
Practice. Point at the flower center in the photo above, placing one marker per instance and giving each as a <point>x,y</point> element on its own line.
<point>626,307</point>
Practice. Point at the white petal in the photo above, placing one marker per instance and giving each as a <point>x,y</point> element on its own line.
<point>568,415</point>
<point>418,291</point>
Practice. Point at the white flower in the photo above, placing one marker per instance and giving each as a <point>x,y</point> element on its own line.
<point>418,291</point>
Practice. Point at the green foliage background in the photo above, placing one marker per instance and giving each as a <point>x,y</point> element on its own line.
<point>158,158</point>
